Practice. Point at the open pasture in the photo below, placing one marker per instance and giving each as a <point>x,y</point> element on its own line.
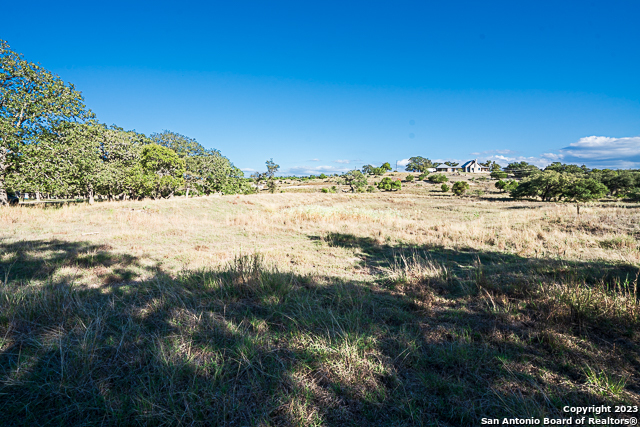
<point>316,309</point>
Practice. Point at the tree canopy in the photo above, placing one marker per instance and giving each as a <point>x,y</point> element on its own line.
<point>419,164</point>
<point>50,143</point>
<point>33,103</point>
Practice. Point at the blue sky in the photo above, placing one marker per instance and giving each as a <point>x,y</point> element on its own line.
<point>329,86</point>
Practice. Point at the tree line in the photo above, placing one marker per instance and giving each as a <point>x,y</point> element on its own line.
<point>52,145</point>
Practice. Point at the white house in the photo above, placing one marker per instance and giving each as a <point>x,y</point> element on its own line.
<point>474,167</point>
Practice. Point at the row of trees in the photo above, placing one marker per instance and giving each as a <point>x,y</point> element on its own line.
<point>52,144</point>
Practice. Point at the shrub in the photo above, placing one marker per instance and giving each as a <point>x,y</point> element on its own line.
<point>371,189</point>
<point>438,178</point>
<point>498,175</point>
<point>423,176</point>
<point>387,184</point>
<point>444,188</point>
<point>409,178</point>
<point>460,187</point>
<point>325,190</point>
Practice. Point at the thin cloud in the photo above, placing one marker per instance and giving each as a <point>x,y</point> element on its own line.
<point>493,152</point>
<point>247,170</point>
<point>314,160</point>
<point>315,170</point>
<point>346,162</point>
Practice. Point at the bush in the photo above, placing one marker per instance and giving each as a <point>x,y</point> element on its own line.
<point>387,184</point>
<point>460,187</point>
<point>409,178</point>
<point>444,188</point>
<point>438,178</point>
<point>371,189</point>
<point>322,176</point>
<point>329,190</point>
<point>423,176</point>
<point>498,175</point>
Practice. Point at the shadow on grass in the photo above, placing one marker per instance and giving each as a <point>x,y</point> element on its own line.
<point>251,345</point>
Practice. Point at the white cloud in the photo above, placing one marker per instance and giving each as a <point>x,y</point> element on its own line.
<point>342,161</point>
<point>314,170</point>
<point>604,148</point>
<point>314,160</point>
<point>493,152</point>
<point>403,162</point>
<point>247,170</point>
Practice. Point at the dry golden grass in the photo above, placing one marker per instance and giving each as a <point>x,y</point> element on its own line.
<point>409,308</point>
<point>186,234</point>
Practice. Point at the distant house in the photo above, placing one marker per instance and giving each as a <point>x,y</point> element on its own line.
<point>474,167</point>
<point>471,166</point>
<point>445,168</point>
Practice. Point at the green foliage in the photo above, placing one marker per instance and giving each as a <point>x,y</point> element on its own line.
<point>272,186</point>
<point>372,170</point>
<point>409,178</point>
<point>564,168</point>
<point>509,185</point>
<point>419,164</point>
<point>492,165</point>
<point>164,169</point>
<point>521,169</point>
<point>355,180</point>
<point>438,178</point>
<point>546,185</point>
<point>550,185</point>
<point>33,103</point>
<point>371,189</point>
<point>451,164</point>
<point>460,187</point>
<point>584,190</point>
<point>633,195</point>
<point>50,144</point>
<point>272,168</point>
<point>619,182</point>
<point>322,176</point>
<point>388,184</point>
<point>444,188</point>
<point>182,145</point>
<point>498,174</point>
<point>423,176</point>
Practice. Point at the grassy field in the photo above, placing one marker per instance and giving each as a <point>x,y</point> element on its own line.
<point>302,308</point>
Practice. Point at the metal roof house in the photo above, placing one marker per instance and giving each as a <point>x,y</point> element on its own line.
<point>445,168</point>
<point>473,166</point>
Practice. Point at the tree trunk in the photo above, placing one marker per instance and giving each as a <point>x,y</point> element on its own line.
<point>578,208</point>
<point>187,195</point>
<point>4,199</point>
<point>91,198</point>
<point>37,195</point>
